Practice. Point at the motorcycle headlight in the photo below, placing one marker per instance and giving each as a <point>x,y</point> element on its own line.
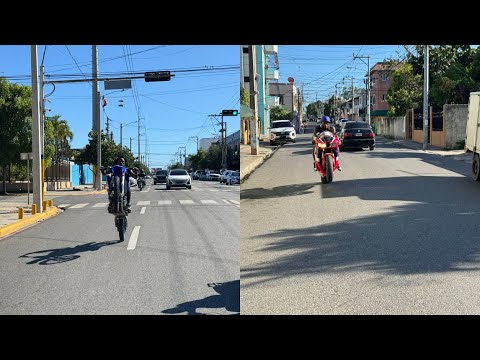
<point>322,146</point>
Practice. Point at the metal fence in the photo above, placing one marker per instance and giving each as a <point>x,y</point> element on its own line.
<point>58,172</point>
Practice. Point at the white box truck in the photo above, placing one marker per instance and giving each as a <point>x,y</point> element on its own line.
<point>472,140</point>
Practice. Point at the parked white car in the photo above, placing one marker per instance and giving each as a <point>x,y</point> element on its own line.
<point>282,130</point>
<point>233,178</point>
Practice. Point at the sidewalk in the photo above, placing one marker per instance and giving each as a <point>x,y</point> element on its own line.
<point>10,203</point>
<point>248,162</point>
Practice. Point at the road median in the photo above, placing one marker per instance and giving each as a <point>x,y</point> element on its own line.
<point>23,223</point>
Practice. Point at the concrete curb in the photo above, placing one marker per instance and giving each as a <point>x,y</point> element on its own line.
<point>249,169</point>
<point>21,224</point>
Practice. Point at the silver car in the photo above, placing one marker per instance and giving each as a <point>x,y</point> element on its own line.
<point>178,177</point>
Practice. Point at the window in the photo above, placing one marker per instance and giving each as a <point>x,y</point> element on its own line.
<point>245,50</point>
<point>246,79</point>
<point>372,100</point>
<point>374,78</point>
<point>280,100</point>
<point>384,77</point>
<point>384,97</point>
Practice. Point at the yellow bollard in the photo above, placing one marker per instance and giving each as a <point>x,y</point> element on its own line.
<point>34,209</point>
<point>20,213</point>
<point>50,202</point>
<point>44,203</point>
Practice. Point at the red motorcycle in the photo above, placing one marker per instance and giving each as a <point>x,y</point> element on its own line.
<point>326,143</point>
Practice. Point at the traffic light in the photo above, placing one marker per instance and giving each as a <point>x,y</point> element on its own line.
<point>158,76</point>
<point>229,112</point>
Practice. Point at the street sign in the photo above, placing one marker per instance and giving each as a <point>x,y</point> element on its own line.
<point>26,156</point>
<point>117,84</point>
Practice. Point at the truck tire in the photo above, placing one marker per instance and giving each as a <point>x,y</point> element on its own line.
<point>476,168</point>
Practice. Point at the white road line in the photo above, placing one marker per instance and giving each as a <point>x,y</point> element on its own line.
<point>197,189</point>
<point>164,202</point>
<point>143,203</point>
<point>143,210</point>
<point>235,202</point>
<point>132,243</point>
<point>208,202</point>
<point>226,201</point>
<point>100,205</point>
<point>187,202</point>
<point>63,205</point>
<point>213,189</point>
<point>78,206</point>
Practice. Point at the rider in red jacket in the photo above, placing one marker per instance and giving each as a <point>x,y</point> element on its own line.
<point>324,126</point>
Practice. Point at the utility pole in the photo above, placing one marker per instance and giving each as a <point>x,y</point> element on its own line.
<point>96,115</point>
<point>368,83</point>
<point>139,139</point>
<point>121,132</point>
<point>130,142</point>
<point>36,147</point>
<point>252,53</point>
<point>42,133</point>
<point>223,133</point>
<point>425,98</point>
<point>193,137</point>
<point>353,102</point>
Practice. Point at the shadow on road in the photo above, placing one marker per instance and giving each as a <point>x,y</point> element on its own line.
<point>228,297</point>
<point>435,231</point>
<point>278,191</point>
<point>57,256</point>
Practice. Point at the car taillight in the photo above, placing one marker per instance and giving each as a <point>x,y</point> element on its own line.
<point>371,135</point>
<point>347,135</point>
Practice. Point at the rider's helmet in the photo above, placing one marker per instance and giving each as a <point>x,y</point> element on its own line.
<point>120,161</point>
<point>326,119</point>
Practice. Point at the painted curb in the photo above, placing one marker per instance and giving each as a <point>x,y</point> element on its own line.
<point>251,168</point>
<point>20,224</point>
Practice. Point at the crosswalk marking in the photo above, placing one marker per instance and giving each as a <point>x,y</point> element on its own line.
<point>213,189</point>
<point>209,202</point>
<point>100,205</point>
<point>143,204</point>
<point>78,206</point>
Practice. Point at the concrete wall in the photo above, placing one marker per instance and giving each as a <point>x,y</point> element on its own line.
<point>289,92</point>
<point>455,124</point>
<point>390,126</point>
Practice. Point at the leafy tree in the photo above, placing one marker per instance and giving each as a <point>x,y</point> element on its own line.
<point>176,165</point>
<point>214,157</point>
<point>198,161</point>
<point>15,124</point>
<point>405,91</point>
<point>110,152</point>
<point>279,113</point>
<point>244,96</point>
<point>313,109</point>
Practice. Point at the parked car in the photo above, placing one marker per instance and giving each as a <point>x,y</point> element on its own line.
<point>160,177</point>
<point>223,176</point>
<point>282,130</point>
<point>213,175</point>
<point>356,134</point>
<point>233,178</point>
<point>178,177</point>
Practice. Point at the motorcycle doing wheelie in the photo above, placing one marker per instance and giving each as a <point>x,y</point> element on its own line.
<point>118,176</point>
<point>326,143</point>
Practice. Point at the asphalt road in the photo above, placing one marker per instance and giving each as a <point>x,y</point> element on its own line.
<point>396,232</point>
<point>180,256</point>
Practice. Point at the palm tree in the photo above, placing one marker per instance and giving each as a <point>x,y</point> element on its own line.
<point>62,137</point>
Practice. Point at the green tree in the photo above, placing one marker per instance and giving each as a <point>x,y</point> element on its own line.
<point>110,152</point>
<point>244,96</point>
<point>15,124</point>
<point>405,91</point>
<point>313,109</point>
<point>198,161</point>
<point>280,113</point>
<point>214,157</point>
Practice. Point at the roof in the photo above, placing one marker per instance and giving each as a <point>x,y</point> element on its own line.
<point>384,66</point>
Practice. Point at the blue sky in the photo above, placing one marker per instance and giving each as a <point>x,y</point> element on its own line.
<point>171,112</point>
<point>320,67</point>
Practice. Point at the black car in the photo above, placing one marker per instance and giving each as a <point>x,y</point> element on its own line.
<point>160,177</point>
<point>356,134</point>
